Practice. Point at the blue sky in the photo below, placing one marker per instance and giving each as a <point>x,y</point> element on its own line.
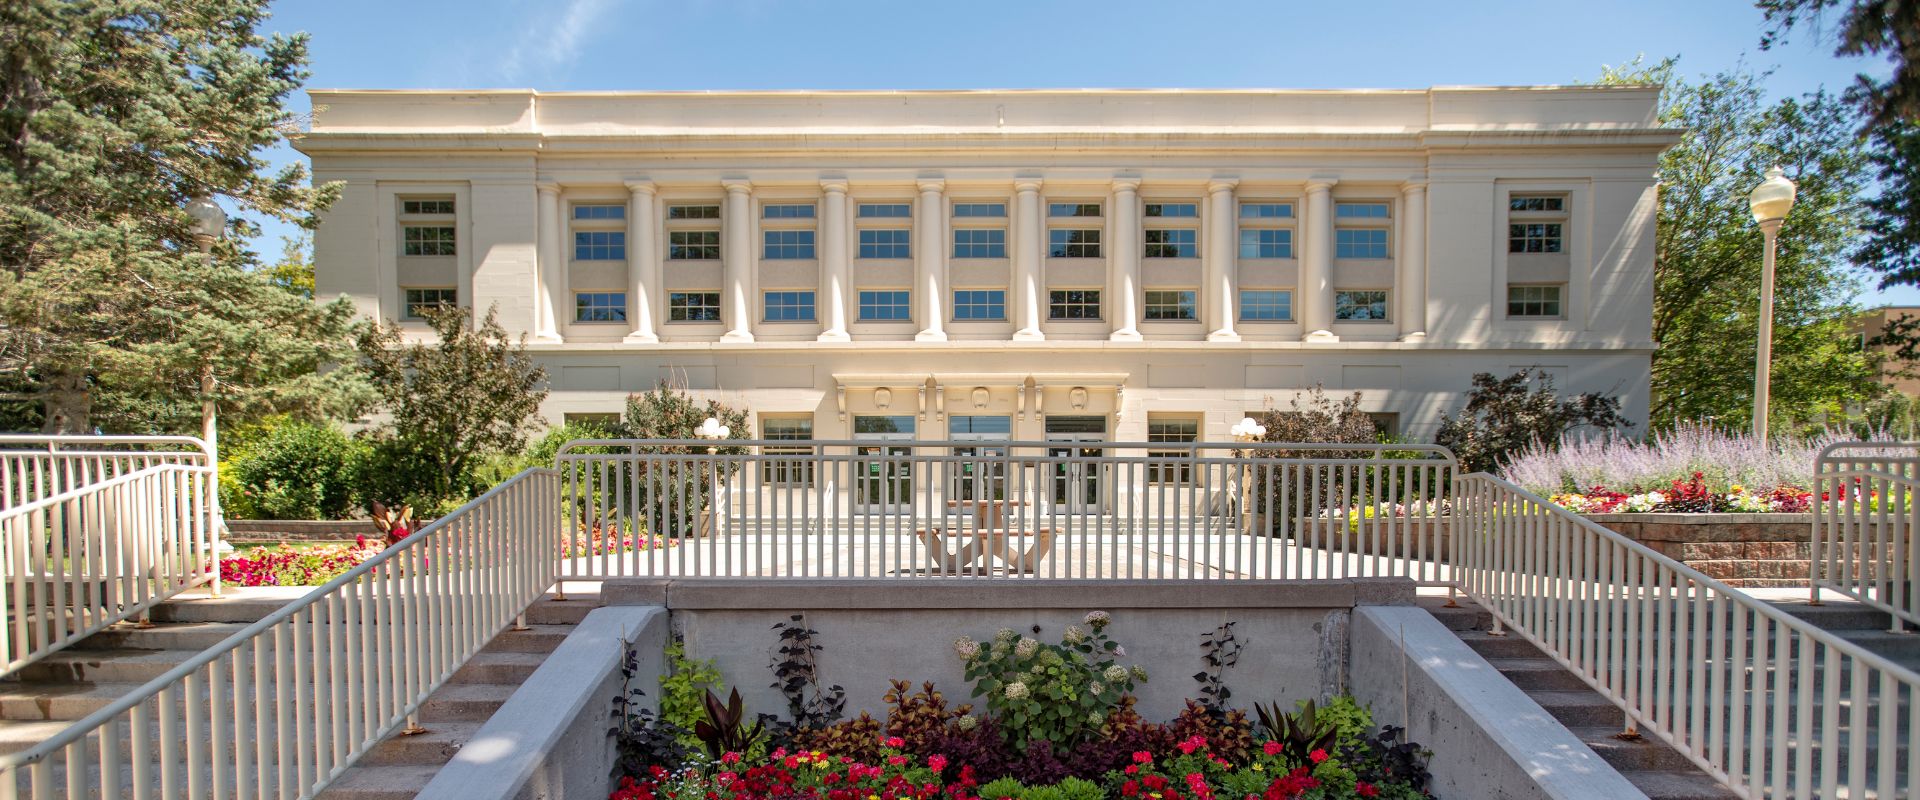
<point>767,44</point>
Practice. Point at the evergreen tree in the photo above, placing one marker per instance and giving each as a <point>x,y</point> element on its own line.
<point>113,115</point>
<point>1887,28</point>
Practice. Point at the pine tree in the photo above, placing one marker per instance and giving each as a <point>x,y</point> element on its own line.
<point>113,115</point>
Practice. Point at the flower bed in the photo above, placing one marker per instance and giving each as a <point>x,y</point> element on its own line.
<point>1057,723</point>
<point>287,565</point>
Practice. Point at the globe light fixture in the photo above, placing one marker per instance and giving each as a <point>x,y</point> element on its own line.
<point>1248,429</point>
<point>209,222</point>
<point>1770,202</point>
<point>712,429</point>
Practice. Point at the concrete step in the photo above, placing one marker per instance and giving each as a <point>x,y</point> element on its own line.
<point>1645,754</point>
<point>379,782</point>
<point>59,701</point>
<point>1537,673</point>
<point>194,636</point>
<point>470,702</point>
<point>1577,708</point>
<point>233,608</point>
<point>561,612</point>
<point>20,734</point>
<point>1492,647</point>
<point>504,668</point>
<point>537,639</point>
<point>435,747</point>
<point>1692,785</point>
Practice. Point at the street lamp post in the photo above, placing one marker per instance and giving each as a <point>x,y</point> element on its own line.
<point>209,223</point>
<point>1247,429</point>
<point>712,431</point>
<point>1770,202</point>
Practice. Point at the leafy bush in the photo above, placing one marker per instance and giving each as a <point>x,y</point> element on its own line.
<point>683,691</point>
<point>1727,462</point>
<point>1322,419</point>
<point>1059,693</point>
<point>1504,416</point>
<point>291,470</point>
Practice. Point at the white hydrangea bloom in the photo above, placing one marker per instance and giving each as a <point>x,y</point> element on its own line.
<point>1016,690</point>
<point>1098,619</point>
<point>1139,673</point>
<point>1116,674</point>
<point>1096,687</point>
<point>1004,635</point>
<point>1075,634</point>
<point>967,648</point>
<point>1025,648</point>
<point>966,723</point>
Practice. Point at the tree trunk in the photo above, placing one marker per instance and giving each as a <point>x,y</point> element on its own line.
<point>67,404</point>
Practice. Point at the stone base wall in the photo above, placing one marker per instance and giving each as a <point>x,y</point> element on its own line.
<point>1745,550</point>
<point>298,530</point>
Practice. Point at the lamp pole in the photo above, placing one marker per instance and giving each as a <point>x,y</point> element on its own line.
<point>209,223</point>
<point>1246,430</point>
<point>1770,202</point>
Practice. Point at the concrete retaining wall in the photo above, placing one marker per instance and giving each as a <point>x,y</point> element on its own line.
<point>1489,740</point>
<point>299,530</point>
<point>549,741</point>
<point>1294,632</point>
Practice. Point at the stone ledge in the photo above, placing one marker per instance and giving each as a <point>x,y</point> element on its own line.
<point>298,530</point>
<point>1675,518</point>
<point>948,593</point>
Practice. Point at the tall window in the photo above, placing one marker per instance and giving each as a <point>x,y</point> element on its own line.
<point>600,307</point>
<point>599,245</point>
<point>1361,230</point>
<point>787,306</point>
<point>788,244</point>
<point>1263,305</point>
<point>885,243</point>
<point>693,306</point>
<point>1171,305</point>
<point>1533,237</point>
<point>419,300</point>
<point>1072,304</point>
<point>885,230</point>
<point>1266,243</point>
<point>693,245</point>
<point>979,243</point>
<point>1174,243</point>
<point>427,240</point>
<point>1073,243</point>
<point>1536,223</point>
<point>1533,301</point>
<point>979,304</point>
<point>1172,230</point>
<point>885,306</point>
<point>787,471</point>
<point>1171,466</point>
<point>1367,305</point>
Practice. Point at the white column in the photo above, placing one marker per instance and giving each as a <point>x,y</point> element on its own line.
<point>1123,254</point>
<point>736,259</point>
<point>643,262</point>
<point>834,267</point>
<point>1221,295</point>
<point>1413,262</point>
<point>552,285</point>
<point>930,262</point>
<point>1316,264</point>
<point>1029,246</point>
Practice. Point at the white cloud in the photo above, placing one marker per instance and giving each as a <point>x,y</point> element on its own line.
<point>549,44</point>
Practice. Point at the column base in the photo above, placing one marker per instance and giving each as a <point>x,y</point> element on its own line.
<point>1125,335</point>
<point>930,336</point>
<point>1223,336</point>
<point>833,336</point>
<point>1320,336</point>
<point>737,337</point>
<point>1416,336</point>
<point>641,338</point>
<point>1029,335</point>
<point>547,338</point>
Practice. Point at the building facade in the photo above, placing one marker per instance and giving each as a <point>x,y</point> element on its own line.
<point>1060,265</point>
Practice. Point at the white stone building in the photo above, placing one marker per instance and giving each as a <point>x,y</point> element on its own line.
<point>1121,265</point>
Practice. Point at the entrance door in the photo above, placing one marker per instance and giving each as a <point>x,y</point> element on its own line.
<point>1077,486</point>
<point>986,478</point>
<point>884,485</point>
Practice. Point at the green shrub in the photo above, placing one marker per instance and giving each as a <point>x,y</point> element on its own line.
<point>291,470</point>
<point>683,691</point>
<point>1352,720</point>
<point>1002,789</point>
<point>1078,789</point>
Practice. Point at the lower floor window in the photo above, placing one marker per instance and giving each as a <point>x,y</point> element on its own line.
<point>600,307</point>
<point>1073,304</point>
<point>885,306</point>
<point>1369,304</point>
<point>1171,466</point>
<point>979,304</point>
<point>693,307</point>
<point>1533,301</point>
<point>789,306</point>
<point>1260,305</point>
<point>793,472</point>
<point>1171,305</point>
<point>419,300</point>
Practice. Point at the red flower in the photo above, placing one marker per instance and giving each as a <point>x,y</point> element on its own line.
<point>894,741</point>
<point>1317,756</point>
<point>1192,743</point>
<point>1272,748</point>
<point>1143,757</point>
<point>1365,789</point>
<point>937,762</point>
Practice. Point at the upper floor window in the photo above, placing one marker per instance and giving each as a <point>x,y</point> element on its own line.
<point>885,306</point>
<point>440,206</point>
<point>1360,305</point>
<point>885,210</point>
<point>1360,210</point>
<point>979,304</point>
<point>693,306</point>
<point>1073,243</point>
<point>419,300</point>
<point>1533,301</point>
<point>789,306</point>
<point>600,212</point>
<point>886,243</point>
<point>1266,210</point>
<point>599,245</point>
<point>1536,202</point>
<point>979,209</point>
<point>1188,210</point>
<point>426,240</point>
<point>1535,223</point>
<point>1266,243</point>
<point>789,244</point>
<point>1073,304</point>
<point>693,212</point>
<point>1360,243</point>
<point>1166,305</point>
<point>787,211</point>
<point>979,243</point>
<point>1261,305</point>
<point>1073,209</point>
<point>693,245</point>
<point>1175,243</point>
<point>1533,237</point>
<point>600,307</point>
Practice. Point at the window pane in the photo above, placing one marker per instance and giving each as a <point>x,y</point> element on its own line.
<point>693,307</point>
<point>1360,210</point>
<point>1534,238</point>
<point>418,300</point>
<point>1073,209</point>
<point>885,210</point>
<point>1360,305</point>
<point>1266,243</point>
<point>693,245</point>
<point>984,304</point>
<point>1535,202</point>
<point>426,206</point>
<point>1178,243</point>
<point>1171,305</point>
<point>600,212</point>
<point>1073,304</point>
<point>1265,210</point>
<point>884,306</point>
<point>1266,306</point>
<point>980,243</point>
<point>885,243</point>
<point>1533,301</point>
<point>693,212</point>
<point>980,209</point>
<point>421,240</point>
<point>1172,210</point>
<point>788,211</point>
<point>1360,243</point>
<point>1073,243</point>
<point>599,245</point>
<point>789,306</point>
<point>600,307</point>
<point>788,244</point>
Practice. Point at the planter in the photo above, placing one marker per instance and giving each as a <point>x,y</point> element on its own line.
<point>300,530</point>
<point>1746,550</point>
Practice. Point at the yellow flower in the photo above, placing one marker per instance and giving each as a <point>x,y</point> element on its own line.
<point>1258,768</point>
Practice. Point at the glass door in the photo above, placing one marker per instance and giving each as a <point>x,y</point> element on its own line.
<point>1077,485</point>
<point>883,486</point>
<point>986,478</point>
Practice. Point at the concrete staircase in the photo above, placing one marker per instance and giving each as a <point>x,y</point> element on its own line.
<point>400,766</point>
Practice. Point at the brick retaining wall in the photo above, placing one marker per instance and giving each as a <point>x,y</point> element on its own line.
<point>1751,550</point>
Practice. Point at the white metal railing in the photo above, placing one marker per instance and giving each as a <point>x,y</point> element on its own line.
<point>1765,702</point>
<point>1864,519</point>
<point>76,562</point>
<point>905,509</point>
<point>34,466</point>
<point>281,707</point>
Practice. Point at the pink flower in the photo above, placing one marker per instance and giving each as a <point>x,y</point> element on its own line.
<point>1272,748</point>
<point>896,760</point>
<point>1317,756</point>
<point>730,758</point>
<point>894,741</point>
<point>1192,743</point>
<point>936,762</point>
<point>1143,757</point>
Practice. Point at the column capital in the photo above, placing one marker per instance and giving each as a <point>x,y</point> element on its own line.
<point>737,185</point>
<point>1023,185</point>
<point>833,185</point>
<point>1318,185</point>
<point>642,186</point>
<point>1411,187</point>
<point>1126,183</point>
<point>1218,185</point>
<point>926,185</point>
<point>547,187</point>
